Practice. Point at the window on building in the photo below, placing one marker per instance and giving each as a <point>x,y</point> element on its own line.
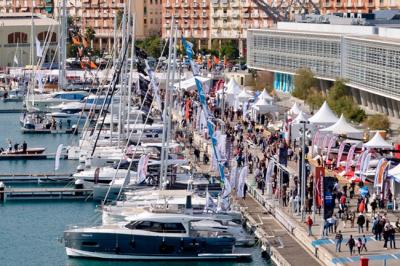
<point>151,2</point>
<point>151,21</point>
<point>145,21</point>
<point>145,10</point>
<point>17,37</point>
<point>42,36</point>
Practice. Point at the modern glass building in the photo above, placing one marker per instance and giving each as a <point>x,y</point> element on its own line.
<point>364,56</point>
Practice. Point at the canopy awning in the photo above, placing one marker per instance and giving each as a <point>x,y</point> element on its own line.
<point>341,127</point>
<point>295,110</point>
<point>324,115</point>
<point>244,96</point>
<point>378,142</point>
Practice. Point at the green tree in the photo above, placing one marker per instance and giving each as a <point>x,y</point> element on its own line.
<point>315,99</point>
<point>152,45</point>
<point>120,14</point>
<point>230,50</point>
<point>342,103</point>
<point>378,122</point>
<point>90,33</point>
<point>303,81</point>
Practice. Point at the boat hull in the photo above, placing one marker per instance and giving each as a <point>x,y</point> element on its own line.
<point>145,247</point>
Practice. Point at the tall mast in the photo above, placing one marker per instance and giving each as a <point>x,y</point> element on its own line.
<point>63,44</point>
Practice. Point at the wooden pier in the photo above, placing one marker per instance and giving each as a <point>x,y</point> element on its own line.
<point>30,156</point>
<point>275,239</point>
<point>9,194</point>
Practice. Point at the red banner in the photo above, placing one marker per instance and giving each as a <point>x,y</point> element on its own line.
<point>318,185</point>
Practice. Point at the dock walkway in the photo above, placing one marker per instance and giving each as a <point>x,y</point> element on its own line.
<point>284,249</point>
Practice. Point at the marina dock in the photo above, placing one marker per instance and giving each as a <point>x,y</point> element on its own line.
<point>45,194</point>
<point>35,178</point>
<point>29,156</point>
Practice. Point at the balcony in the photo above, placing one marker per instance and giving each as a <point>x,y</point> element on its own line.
<point>216,26</point>
<point>120,5</point>
<point>349,3</point>
<point>167,26</point>
<point>177,4</point>
<point>327,4</point>
<point>371,4</point>
<point>185,4</point>
<point>339,4</point>
<point>360,4</point>
<point>255,15</point>
<point>195,5</point>
<point>235,15</point>
<point>167,15</point>
<point>224,3</point>
<point>176,15</point>
<point>235,25</point>
<point>235,4</point>
<point>195,15</point>
<point>195,26</point>
<point>186,26</point>
<point>204,26</point>
<point>204,15</point>
<point>224,15</point>
<point>168,5</point>
<point>186,15</point>
<point>245,15</point>
<point>204,5</point>
<point>215,3</point>
<point>225,25</point>
<point>215,15</point>
<point>245,26</point>
<point>264,15</point>
<point>245,4</point>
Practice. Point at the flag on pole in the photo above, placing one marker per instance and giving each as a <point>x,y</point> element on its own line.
<point>15,59</point>
<point>57,158</point>
<point>39,49</point>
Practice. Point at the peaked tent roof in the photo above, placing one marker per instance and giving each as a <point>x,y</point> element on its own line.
<point>264,94</point>
<point>324,115</point>
<point>300,117</point>
<point>244,96</point>
<point>295,109</point>
<point>233,87</point>
<point>378,142</point>
<point>341,127</point>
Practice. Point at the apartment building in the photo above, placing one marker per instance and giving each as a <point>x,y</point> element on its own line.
<point>357,6</point>
<point>192,17</point>
<point>99,14</point>
<point>148,18</point>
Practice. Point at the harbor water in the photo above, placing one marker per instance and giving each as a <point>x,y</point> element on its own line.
<point>30,230</point>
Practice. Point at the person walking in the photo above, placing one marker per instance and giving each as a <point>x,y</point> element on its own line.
<point>360,223</point>
<point>364,243</point>
<point>309,223</point>
<point>386,235</point>
<point>392,239</point>
<point>351,243</point>
<point>339,239</point>
<point>359,245</point>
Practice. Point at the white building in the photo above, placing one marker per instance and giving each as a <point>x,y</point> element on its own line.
<point>367,57</point>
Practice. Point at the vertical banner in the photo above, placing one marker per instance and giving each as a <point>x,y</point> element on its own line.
<point>364,166</point>
<point>349,160</point>
<point>318,186</point>
<point>332,142</point>
<point>340,152</point>
<point>360,160</point>
<point>381,172</point>
<point>329,200</point>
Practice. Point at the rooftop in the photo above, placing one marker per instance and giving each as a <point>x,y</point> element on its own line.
<point>24,19</point>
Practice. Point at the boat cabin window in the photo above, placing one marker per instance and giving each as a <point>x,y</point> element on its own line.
<point>157,227</point>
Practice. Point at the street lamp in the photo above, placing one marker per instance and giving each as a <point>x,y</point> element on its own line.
<point>303,169</point>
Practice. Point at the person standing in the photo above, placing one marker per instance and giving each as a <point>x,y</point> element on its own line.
<point>309,223</point>
<point>351,243</point>
<point>392,239</point>
<point>24,147</point>
<point>359,245</point>
<point>360,223</point>
<point>339,239</point>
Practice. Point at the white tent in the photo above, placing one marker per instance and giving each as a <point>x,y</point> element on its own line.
<point>244,96</point>
<point>295,110</point>
<point>378,142</point>
<point>300,117</point>
<point>264,94</point>
<point>233,88</point>
<point>190,83</point>
<point>262,106</point>
<point>324,116</point>
<point>395,171</point>
<point>342,127</point>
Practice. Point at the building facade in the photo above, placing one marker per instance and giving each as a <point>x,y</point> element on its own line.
<point>98,14</point>
<point>16,38</point>
<point>148,18</point>
<point>357,6</point>
<point>192,18</point>
<point>367,57</point>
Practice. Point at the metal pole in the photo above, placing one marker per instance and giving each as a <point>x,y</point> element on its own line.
<point>303,178</point>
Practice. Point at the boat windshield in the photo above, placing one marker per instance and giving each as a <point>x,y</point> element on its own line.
<point>157,227</point>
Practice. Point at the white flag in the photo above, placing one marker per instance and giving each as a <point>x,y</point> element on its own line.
<point>210,204</point>
<point>58,156</point>
<point>39,50</point>
<point>242,181</point>
<point>142,168</point>
<point>16,59</point>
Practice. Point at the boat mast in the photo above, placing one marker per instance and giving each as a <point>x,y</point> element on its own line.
<point>166,100</point>
<point>131,21</point>
<point>62,44</point>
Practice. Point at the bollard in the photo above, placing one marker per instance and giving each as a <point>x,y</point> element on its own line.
<point>364,261</point>
<point>2,195</point>
<point>79,185</point>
